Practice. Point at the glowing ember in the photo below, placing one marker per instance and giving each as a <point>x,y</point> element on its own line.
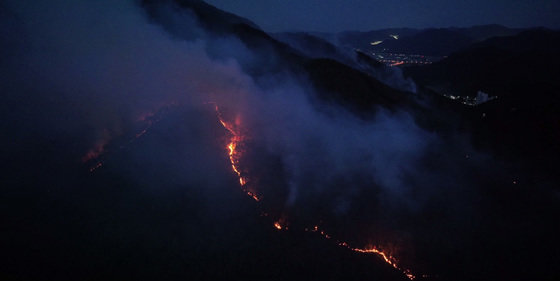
<point>370,250</point>
<point>234,153</point>
<point>253,195</point>
<point>95,152</point>
<point>388,259</point>
<point>99,149</point>
<point>141,133</point>
<point>234,156</point>
<point>97,166</point>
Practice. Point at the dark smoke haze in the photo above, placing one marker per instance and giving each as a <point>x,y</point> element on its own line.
<point>111,65</point>
<point>77,75</point>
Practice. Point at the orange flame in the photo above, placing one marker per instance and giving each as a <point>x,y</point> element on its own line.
<point>369,250</point>
<point>388,259</point>
<point>234,154</point>
<point>97,166</point>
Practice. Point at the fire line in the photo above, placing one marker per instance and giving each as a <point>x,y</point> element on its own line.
<point>234,155</point>
<point>369,250</point>
<point>233,152</point>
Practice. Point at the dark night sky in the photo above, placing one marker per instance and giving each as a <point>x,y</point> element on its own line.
<point>339,15</point>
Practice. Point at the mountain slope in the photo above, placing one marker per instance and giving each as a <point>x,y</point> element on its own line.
<point>277,57</point>
<point>437,42</point>
<point>521,71</point>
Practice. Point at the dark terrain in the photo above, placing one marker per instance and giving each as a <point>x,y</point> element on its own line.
<point>489,187</point>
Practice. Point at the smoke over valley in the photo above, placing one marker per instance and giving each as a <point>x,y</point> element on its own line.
<point>167,140</point>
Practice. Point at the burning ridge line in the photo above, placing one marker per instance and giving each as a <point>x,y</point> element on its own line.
<point>150,120</point>
<point>236,139</point>
<point>369,250</point>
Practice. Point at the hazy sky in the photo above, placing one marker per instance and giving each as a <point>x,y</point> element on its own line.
<point>338,15</point>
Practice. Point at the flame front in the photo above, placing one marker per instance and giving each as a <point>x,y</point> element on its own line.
<point>234,156</point>
<point>233,152</point>
<point>387,258</point>
<point>369,250</point>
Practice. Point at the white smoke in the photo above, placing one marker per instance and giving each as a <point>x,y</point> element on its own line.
<point>113,65</point>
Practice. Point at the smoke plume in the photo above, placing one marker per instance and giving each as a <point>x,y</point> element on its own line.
<point>78,76</point>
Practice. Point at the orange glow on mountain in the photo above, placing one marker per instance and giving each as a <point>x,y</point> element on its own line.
<point>387,258</point>
<point>96,151</point>
<point>368,250</point>
<point>396,63</point>
<point>148,119</point>
<point>234,154</point>
<point>236,140</point>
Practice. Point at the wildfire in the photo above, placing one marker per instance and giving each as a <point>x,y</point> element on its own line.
<point>234,156</point>
<point>148,119</point>
<point>396,63</point>
<point>143,132</point>
<point>233,152</point>
<point>94,154</point>
<point>369,250</point>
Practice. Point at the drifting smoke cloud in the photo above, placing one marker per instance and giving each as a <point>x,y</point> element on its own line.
<point>83,72</point>
<point>112,65</point>
<point>316,47</point>
<point>104,65</point>
<point>325,147</point>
